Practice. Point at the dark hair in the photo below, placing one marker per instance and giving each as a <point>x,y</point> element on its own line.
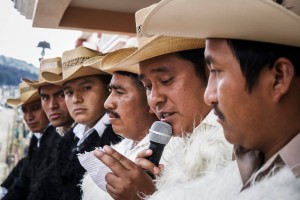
<point>254,56</point>
<point>134,77</point>
<point>195,56</point>
<point>104,78</point>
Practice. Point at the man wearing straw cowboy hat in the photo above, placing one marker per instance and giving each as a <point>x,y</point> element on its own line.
<point>252,52</point>
<point>53,103</point>
<point>174,76</point>
<point>129,114</point>
<point>52,96</point>
<point>37,122</point>
<point>85,89</point>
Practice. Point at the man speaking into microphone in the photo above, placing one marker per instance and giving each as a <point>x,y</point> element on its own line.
<point>174,74</point>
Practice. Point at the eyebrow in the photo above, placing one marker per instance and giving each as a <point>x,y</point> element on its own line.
<point>43,95</point>
<point>54,94</point>
<point>115,87</point>
<point>35,105</point>
<point>80,83</point>
<point>58,92</point>
<point>162,69</point>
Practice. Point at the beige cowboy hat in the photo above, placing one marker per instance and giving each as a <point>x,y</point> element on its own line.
<point>108,63</point>
<point>256,20</point>
<point>72,66</point>
<point>150,47</point>
<point>28,94</point>
<point>52,65</point>
<point>93,62</point>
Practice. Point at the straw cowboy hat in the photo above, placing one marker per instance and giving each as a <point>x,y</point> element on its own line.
<point>72,66</point>
<point>108,63</point>
<point>52,65</point>
<point>256,20</point>
<point>28,94</point>
<point>150,47</point>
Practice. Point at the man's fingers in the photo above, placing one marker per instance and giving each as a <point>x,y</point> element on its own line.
<point>114,160</point>
<point>128,164</point>
<point>115,166</point>
<point>145,153</point>
<point>143,162</point>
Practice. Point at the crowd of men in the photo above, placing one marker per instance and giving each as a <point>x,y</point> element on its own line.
<point>225,76</point>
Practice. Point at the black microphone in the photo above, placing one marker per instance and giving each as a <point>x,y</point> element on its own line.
<point>160,134</point>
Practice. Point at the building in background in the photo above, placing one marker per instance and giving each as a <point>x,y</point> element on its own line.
<point>106,25</point>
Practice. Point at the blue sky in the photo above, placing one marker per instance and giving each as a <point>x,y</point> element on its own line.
<point>18,39</point>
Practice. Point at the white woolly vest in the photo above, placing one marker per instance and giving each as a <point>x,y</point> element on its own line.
<point>226,184</point>
<point>204,152</point>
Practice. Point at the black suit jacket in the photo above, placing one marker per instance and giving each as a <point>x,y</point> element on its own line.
<point>66,172</point>
<point>36,162</point>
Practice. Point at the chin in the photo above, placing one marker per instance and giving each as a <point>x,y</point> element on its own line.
<point>36,130</point>
<point>229,138</point>
<point>57,123</point>
<point>80,121</point>
<point>117,131</point>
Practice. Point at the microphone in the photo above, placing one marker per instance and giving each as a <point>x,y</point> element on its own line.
<point>160,134</point>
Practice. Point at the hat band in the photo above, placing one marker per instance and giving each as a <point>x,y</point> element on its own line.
<point>71,63</point>
<point>26,89</point>
<point>51,65</point>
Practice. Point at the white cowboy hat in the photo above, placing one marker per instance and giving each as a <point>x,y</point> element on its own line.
<point>150,47</point>
<point>255,20</point>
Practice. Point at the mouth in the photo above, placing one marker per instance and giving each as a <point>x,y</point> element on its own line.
<point>32,124</point>
<point>79,110</point>
<point>112,115</point>
<point>164,116</point>
<point>55,115</point>
<point>219,114</point>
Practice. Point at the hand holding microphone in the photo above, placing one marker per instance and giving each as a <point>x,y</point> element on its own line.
<point>160,134</point>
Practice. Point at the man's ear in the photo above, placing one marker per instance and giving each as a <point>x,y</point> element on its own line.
<point>284,73</point>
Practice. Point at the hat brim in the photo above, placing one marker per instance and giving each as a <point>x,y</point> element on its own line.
<point>255,20</point>
<point>80,72</point>
<point>108,63</point>
<point>14,102</point>
<point>161,45</point>
<point>35,84</point>
<point>18,102</point>
<point>54,70</point>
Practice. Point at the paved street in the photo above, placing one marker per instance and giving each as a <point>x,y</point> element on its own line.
<point>6,126</point>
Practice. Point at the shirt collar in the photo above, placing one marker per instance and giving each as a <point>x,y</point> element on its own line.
<point>38,135</point>
<point>290,155</point>
<point>249,161</point>
<point>61,130</point>
<point>82,131</point>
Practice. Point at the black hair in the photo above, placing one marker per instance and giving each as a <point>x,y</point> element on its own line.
<point>134,77</point>
<point>254,56</point>
<point>195,56</point>
<point>104,79</point>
